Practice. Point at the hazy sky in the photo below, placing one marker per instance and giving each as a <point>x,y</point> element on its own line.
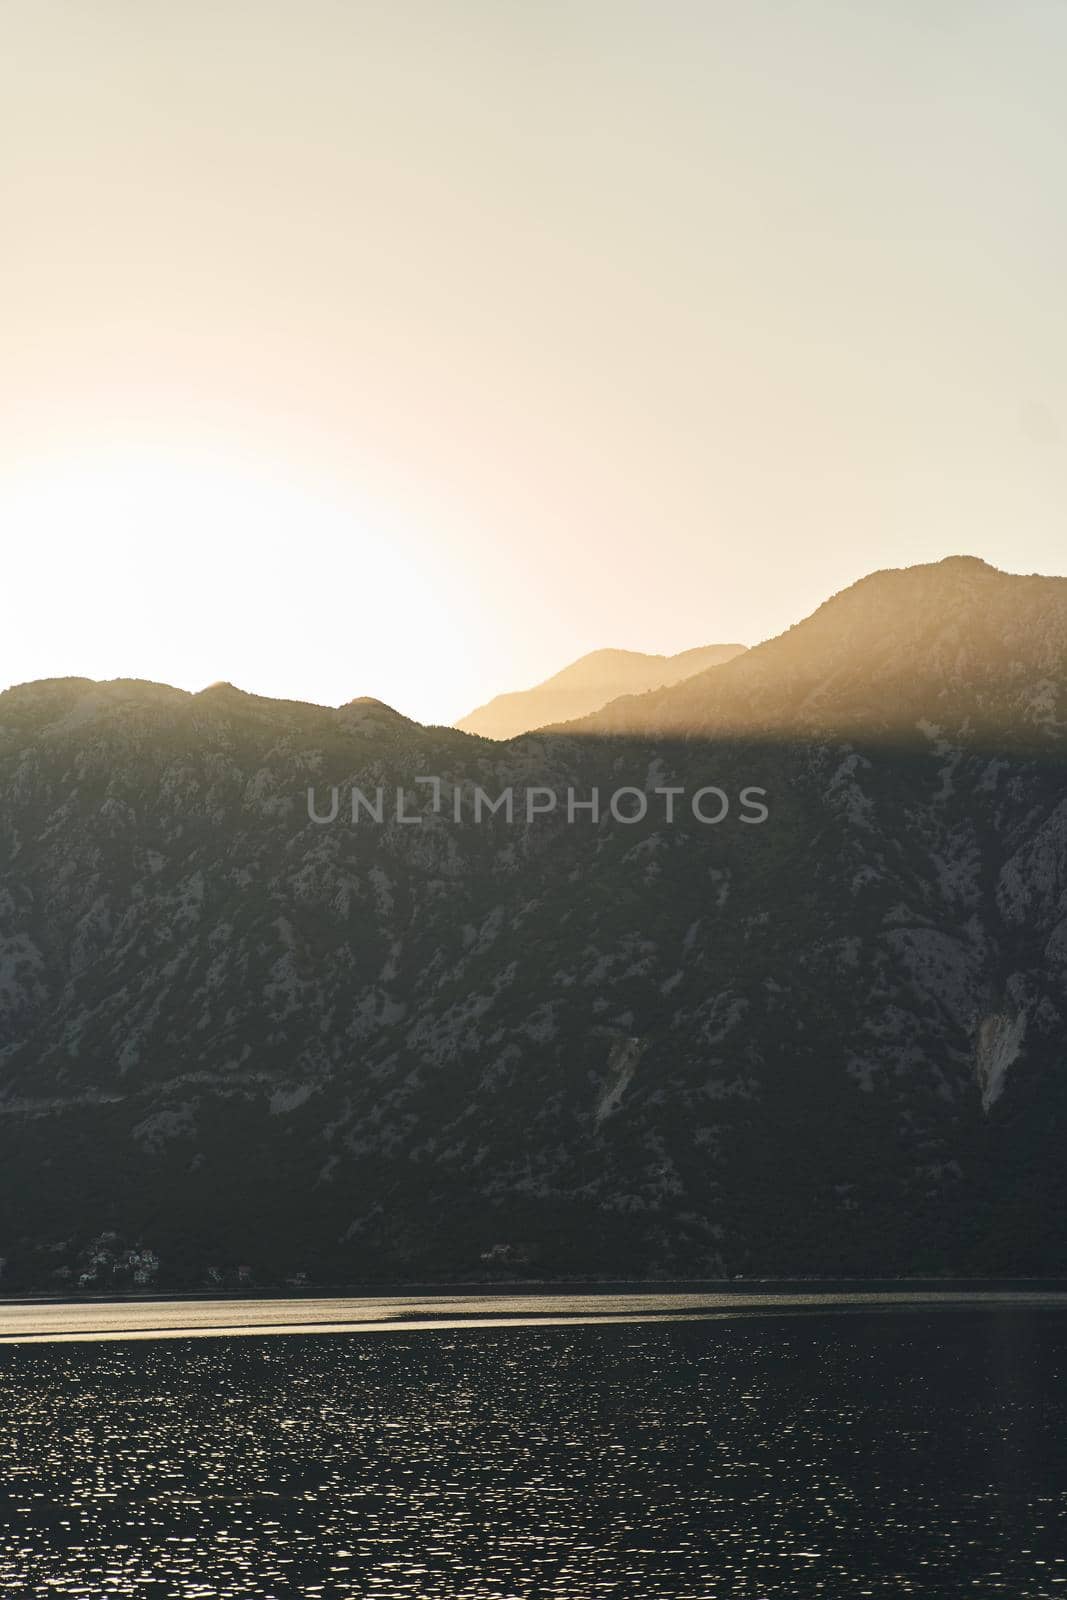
<point>413,349</point>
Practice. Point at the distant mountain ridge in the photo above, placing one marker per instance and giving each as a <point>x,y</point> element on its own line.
<point>588,684</point>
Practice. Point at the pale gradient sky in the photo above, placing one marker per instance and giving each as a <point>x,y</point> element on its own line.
<point>413,349</point>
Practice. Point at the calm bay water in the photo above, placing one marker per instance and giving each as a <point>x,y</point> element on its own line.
<point>873,1452</point>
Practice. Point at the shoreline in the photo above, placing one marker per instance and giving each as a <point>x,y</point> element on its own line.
<point>49,1322</point>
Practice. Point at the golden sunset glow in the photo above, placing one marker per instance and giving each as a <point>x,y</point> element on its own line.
<point>525,332</point>
<point>196,569</point>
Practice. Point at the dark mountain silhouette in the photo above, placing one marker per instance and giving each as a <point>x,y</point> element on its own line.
<point>829,1043</point>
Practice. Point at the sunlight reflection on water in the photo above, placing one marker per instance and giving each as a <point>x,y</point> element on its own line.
<point>822,1455</point>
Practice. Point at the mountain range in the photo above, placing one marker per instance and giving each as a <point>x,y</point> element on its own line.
<point>241,1044</point>
<point>587,685</point>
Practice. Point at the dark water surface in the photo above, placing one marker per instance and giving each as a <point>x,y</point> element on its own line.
<point>862,1453</point>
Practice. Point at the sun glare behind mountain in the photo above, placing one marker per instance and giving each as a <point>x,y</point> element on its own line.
<point>187,568</point>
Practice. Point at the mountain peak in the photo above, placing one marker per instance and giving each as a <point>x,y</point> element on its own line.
<point>956,641</point>
<point>367,715</point>
<point>586,685</point>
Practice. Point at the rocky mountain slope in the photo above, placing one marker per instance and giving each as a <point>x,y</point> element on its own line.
<point>957,645</point>
<point>588,684</point>
<point>238,1043</point>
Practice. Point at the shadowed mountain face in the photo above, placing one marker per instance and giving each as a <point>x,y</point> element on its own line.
<point>832,1042</point>
<point>588,684</point>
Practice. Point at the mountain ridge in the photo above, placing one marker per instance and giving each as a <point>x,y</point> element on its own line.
<point>776,687</point>
<point>586,684</point>
<point>233,1039</point>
